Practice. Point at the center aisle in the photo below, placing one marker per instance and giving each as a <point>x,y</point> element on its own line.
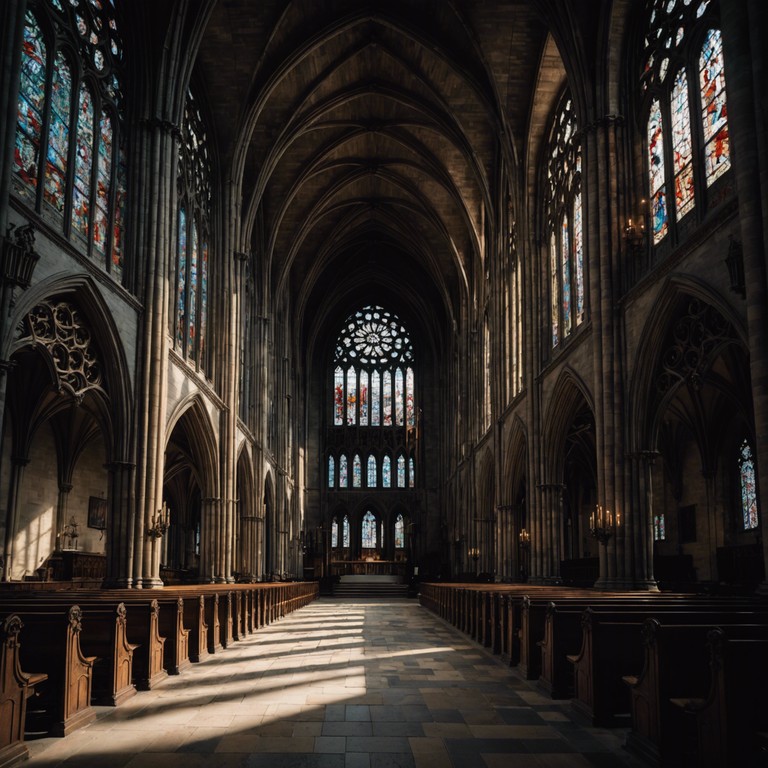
<point>341,684</point>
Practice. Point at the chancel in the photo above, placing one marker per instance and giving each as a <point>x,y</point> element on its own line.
<point>407,359</point>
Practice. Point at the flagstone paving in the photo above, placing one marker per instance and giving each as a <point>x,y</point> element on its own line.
<point>342,684</point>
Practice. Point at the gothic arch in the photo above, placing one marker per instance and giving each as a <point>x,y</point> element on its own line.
<point>645,411</point>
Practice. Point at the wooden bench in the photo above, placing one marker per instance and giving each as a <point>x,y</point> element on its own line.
<point>730,719</point>
<point>16,687</point>
<point>51,644</point>
<point>194,618</point>
<point>675,666</point>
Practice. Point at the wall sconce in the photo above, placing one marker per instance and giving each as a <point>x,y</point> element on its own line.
<point>602,523</point>
<point>634,230</point>
<point>474,553</point>
<point>161,522</point>
<point>525,538</point>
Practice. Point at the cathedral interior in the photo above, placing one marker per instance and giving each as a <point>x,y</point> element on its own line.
<point>438,290</point>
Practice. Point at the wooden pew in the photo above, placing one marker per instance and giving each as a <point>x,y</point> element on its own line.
<point>675,666</point>
<point>194,619</point>
<point>731,717</point>
<point>16,687</point>
<point>52,645</point>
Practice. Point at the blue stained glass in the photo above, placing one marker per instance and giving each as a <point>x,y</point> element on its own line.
<point>401,471</point>
<point>30,107</point>
<point>81,194</point>
<point>331,472</point>
<point>54,190</point>
<point>748,487</point>
<point>369,531</point>
<point>181,280</point>
<point>338,397</point>
<point>371,472</point>
<point>399,532</point>
<point>386,472</point>
<point>657,174</point>
<point>192,311</point>
<point>659,528</point>
<point>566,276</point>
<point>345,532</point>
<point>334,533</point>
<point>357,472</point>
<point>343,479</point>
<point>411,473</point>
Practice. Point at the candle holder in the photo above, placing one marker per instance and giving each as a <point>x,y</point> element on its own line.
<point>602,524</point>
<point>525,538</point>
<point>160,523</point>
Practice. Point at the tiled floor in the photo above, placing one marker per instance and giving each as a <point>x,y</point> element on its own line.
<point>355,684</point>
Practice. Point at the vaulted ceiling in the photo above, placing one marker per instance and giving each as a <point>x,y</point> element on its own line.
<point>366,138</point>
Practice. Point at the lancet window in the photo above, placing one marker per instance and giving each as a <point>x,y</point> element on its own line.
<point>69,155</point>
<point>565,223</point>
<point>747,487</point>
<point>193,238</point>
<point>685,109</point>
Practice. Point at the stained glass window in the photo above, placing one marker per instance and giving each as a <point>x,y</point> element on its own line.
<point>410,416</point>
<point>399,532</point>
<point>386,472</point>
<point>674,145</point>
<point>194,185</point>
<point>81,193</point>
<point>565,223</point>
<point>747,487</point>
<point>331,472</point>
<point>338,396</point>
<point>68,133</point>
<point>369,531</point>
<point>714,115</point>
<point>363,398</point>
<point>30,110</point>
<point>387,391</point>
<point>401,471</point>
<point>656,173</point>
<point>343,479</point>
<point>659,529</point>
<point>351,397</point>
<point>375,399</point>
<point>334,533</point>
<point>411,473</point>
<point>181,279</point>
<point>399,397</point>
<point>345,532</point>
<point>58,139</point>
<point>681,146</point>
<point>373,389</point>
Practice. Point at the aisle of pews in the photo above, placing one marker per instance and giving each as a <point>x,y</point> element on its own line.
<point>64,651</point>
<point>685,673</point>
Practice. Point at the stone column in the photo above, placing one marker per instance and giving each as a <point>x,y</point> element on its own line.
<point>16,475</point>
<point>743,24</point>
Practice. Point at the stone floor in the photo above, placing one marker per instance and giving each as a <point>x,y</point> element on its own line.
<point>342,684</point>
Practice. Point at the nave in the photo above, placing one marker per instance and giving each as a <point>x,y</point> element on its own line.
<point>341,684</point>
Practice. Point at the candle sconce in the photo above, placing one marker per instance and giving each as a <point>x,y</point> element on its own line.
<point>525,538</point>
<point>160,523</point>
<point>602,523</point>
